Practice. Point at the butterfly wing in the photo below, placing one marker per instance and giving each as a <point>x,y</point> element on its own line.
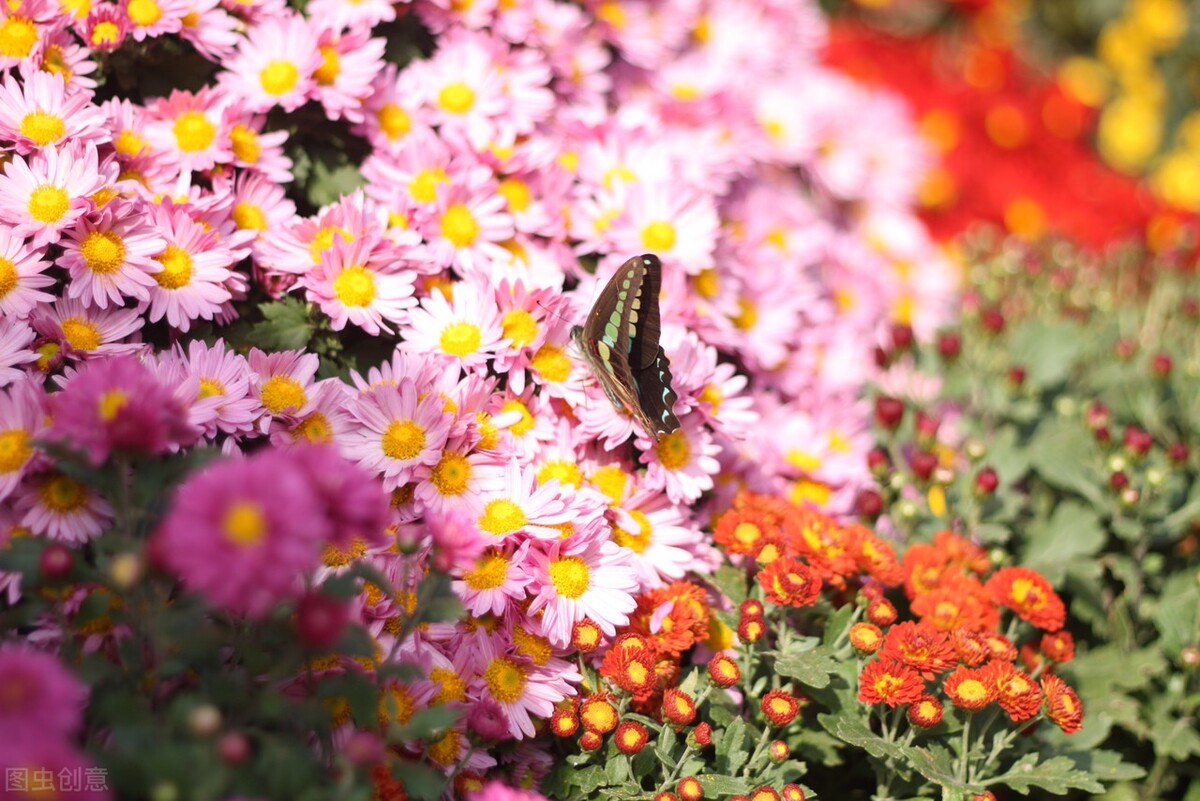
<point>620,341</point>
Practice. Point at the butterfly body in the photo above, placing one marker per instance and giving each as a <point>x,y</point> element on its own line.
<point>619,342</point>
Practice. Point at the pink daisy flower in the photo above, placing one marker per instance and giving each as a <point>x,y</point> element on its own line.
<point>21,31</point>
<point>397,435</point>
<point>676,223</point>
<point>110,256</point>
<point>22,420</point>
<point>411,178</point>
<point>83,330</point>
<point>224,379</point>
<point>105,28</point>
<point>149,18</point>
<point>118,404</point>
<point>42,698</point>
<point>195,266</point>
<point>39,113</point>
<point>349,63</point>
<point>322,421</point>
<point>241,531</point>
<point>465,331</point>
<point>282,382</point>
<point>393,110</point>
<point>494,582</point>
<point>42,196</point>
<point>62,54</point>
<point>684,461</point>
<point>597,582</point>
<point>16,351</point>
<point>354,283</point>
<point>351,14</point>
<point>457,481</point>
<point>662,548</point>
<point>463,87</point>
<point>466,228</point>
<point>522,689</point>
<point>54,505</point>
<point>191,130</point>
<point>274,64</point>
<point>259,204</point>
<point>518,504</point>
<point>210,29</point>
<point>258,151</point>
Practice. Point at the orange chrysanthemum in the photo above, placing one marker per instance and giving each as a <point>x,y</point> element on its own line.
<point>1059,646</point>
<point>586,635</point>
<point>630,666</point>
<point>1030,595</point>
<point>673,618</point>
<point>867,638</point>
<point>821,542</point>
<point>780,707</point>
<point>971,645</point>
<point>882,612</point>
<point>1062,704</point>
<point>925,712</point>
<point>746,532</point>
<point>678,707</point>
<point>1016,691</point>
<point>961,603</point>
<point>875,556</point>
<point>724,670</point>
<point>597,713</point>
<point>969,688</point>
<point>790,582</point>
<point>886,681</point>
<point>631,737</point>
<point>920,646</point>
<point>1001,647</point>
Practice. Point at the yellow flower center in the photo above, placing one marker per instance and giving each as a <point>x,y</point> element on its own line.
<point>279,78</point>
<point>612,481</point>
<point>314,428</point>
<point>520,327</point>
<point>177,268</point>
<point>972,690</point>
<point>331,66</point>
<point>452,474</point>
<point>489,572</point>
<point>355,286</point>
<point>105,33</point>
<point>747,316</point>
<point>14,450</point>
<point>552,363</point>
<point>244,524</point>
<point>517,193</point>
<point>104,251</point>
<point>658,236</point>
<point>525,424</point>
<point>708,284</point>
<point>502,516</point>
<point>81,334</point>
<point>394,121</point>
<point>639,540</point>
<point>323,240</point>
<point>570,576</point>
<point>9,277</point>
<point>489,435</point>
<point>403,440</point>
<point>456,98</point>
<point>193,132</point>
<point>461,339</point>
<point>674,451</point>
<point>143,13</point>
<point>18,35</point>
<point>111,403</point>
<point>452,686</point>
<point>43,129</point>
<point>48,203</point>
<point>281,393</point>
<point>531,645</point>
<point>459,226</point>
<point>249,217</point>
<point>505,679</point>
<point>245,143</point>
<point>567,473</point>
<point>424,186</point>
<point>61,494</point>
<point>447,750</point>
<point>209,388</point>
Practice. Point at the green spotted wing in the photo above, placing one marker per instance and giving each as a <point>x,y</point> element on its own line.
<point>619,341</point>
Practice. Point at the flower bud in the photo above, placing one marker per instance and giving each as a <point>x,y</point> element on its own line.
<point>902,336</point>
<point>923,463</point>
<point>992,320</point>
<point>204,720</point>
<point>986,481</point>
<point>1160,365</point>
<point>1097,416</point>
<point>878,462</point>
<point>868,504</point>
<point>949,345</point>
<point>690,789</point>
<point>724,670</point>
<point>701,736</point>
<point>55,562</point>
<point>889,412</point>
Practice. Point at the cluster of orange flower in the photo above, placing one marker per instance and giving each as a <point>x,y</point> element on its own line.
<point>956,632</point>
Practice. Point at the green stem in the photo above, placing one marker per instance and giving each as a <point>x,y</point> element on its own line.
<point>964,750</point>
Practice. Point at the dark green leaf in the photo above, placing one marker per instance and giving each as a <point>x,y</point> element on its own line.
<point>287,325</point>
<point>731,750</point>
<point>811,668</point>
<point>1056,775</point>
<point>716,785</point>
<point>1073,532</point>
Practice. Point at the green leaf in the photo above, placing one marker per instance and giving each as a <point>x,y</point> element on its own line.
<point>811,668</point>
<point>849,726</point>
<point>717,785</point>
<point>731,750</point>
<point>1047,350</point>
<point>664,747</point>
<point>420,781</point>
<point>1073,532</point>
<point>837,624</point>
<point>286,325</point>
<point>1056,775</point>
<point>1066,458</point>
<point>731,581</point>
<point>589,778</point>
<point>935,762</point>
<point>329,182</point>
<point>1177,611</point>
<point>1107,766</point>
<point>430,723</point>
<point>617,769</point>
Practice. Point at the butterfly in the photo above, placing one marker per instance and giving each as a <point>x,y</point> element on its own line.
<point>619,342</point>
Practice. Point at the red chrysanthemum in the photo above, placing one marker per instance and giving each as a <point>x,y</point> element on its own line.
<point>792,792</point>
<point>752,607</point>
<point>631,737</point>
<point>678,707</point>
<point>564,723</point>
<point>780,707</point>
<point>882,612</point>
<point>1062,704</point>
<point>597,713</point>
<point>1016,691</point>
<point>1001,647</point>
<point>746,532</point>
<point>690,789</point>
<point>969,688</point>
<point>867,638</point>
<point>702,734</point>
<point>925,712</point>
<point>886,681</point>
<point>821,542</point>
<point>764,793</point>
<point>630,667</point>
<point>920,646</point>
<point>778,750</point>
<point>790,582</point>
<point>1030,595</point>
<point>724,670</point>
<point>1059,646</point>
<point>875,556</point>
<point>971,645</point>
<point>673,618</point>
<point>751,629</point>
<point>959,603</point>
<point>591,740</point>
<point>586,635</point>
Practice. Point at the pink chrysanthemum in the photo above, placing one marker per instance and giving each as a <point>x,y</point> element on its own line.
<point>40,698</point>
<point>241,531</point>
<point>282,382</point>
<point>118,404</point>
<point>22,420</point>
<point>397,434</point>
<point>55,757</point>
<point>356,283</point>
<point>195,266</point>
<point>149,18</point>
<point>39,113</point>
<point>274,64</point>
<point>191,130</point>
<point>466,330</point>
<point>42,196</point>
<point>110,256</point>
<point>520,687</point>
<point>519,504</point>
<point>54,505</point>
<point>684,461</point>
<point>495,581</point>
<point>16,350</point>
<point>224,379</point>
<point>349,63</point>
<point>82,330</point>
<point>597,582</point>
<point>21,277</point>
